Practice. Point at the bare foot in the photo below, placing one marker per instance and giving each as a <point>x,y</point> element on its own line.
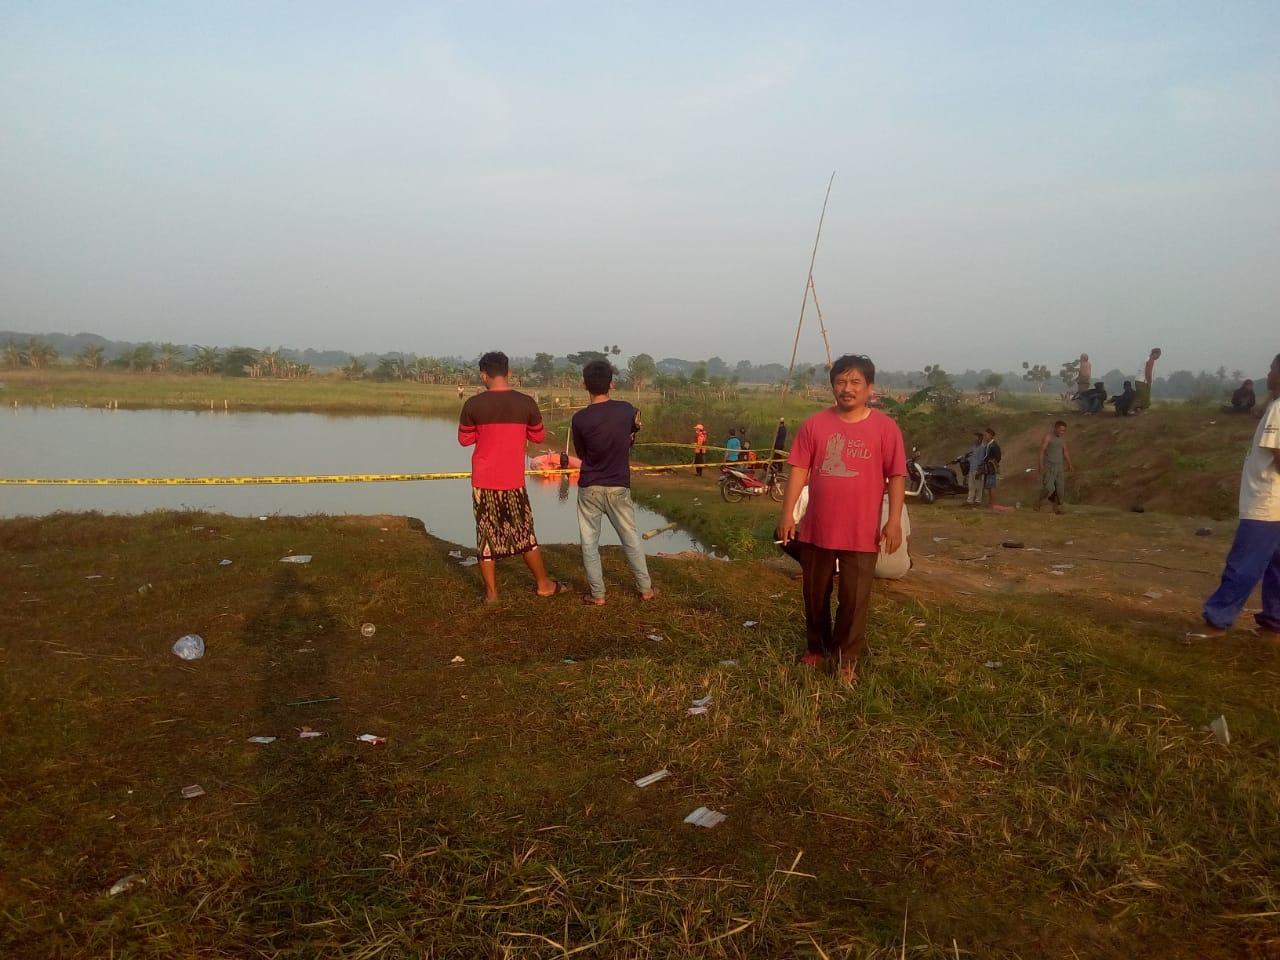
<point>650,594</point>
<point>591,601</point>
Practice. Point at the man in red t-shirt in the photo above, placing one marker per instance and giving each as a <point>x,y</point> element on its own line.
<point>846,455</point>
<point>498,423</point>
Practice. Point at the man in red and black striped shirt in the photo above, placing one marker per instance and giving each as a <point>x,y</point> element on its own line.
<point>498,423</point>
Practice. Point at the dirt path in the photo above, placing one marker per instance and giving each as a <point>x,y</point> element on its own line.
<point>1146,571</point>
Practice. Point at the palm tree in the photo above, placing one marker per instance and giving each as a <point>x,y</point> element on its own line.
<point>237,360</point>
<point>207,360</point>
<point>424,369</point>
<point>41,354</point>
<point>90,357</point>
<point>13,354</point>
<point>269,362</point>
<point>142,357</point>
<point>170,357</point>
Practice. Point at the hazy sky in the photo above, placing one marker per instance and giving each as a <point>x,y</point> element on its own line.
<point>1016,181</point>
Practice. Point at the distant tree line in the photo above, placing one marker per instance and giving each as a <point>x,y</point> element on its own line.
<point>670,376</point>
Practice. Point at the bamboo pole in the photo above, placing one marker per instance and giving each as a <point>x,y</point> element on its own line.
<point>808,283</point>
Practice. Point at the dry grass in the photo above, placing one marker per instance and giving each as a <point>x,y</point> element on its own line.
<point>1066,804</point>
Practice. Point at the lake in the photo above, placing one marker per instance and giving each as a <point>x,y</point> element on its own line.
<point>74,442</point>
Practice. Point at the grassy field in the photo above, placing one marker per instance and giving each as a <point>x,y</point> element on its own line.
<point>102,388</point>
<point>1025,770</point>
<point>1066,803</point>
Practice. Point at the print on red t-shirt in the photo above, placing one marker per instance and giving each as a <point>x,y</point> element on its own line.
<point>848,464</point>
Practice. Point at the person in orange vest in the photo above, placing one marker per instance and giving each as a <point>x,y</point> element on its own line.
<point>749,456</point>
<point>699,448</point>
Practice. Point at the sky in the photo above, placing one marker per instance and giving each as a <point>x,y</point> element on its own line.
<point>1013,182</point>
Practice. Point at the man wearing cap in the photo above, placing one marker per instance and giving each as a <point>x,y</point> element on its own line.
<point>699,448</point>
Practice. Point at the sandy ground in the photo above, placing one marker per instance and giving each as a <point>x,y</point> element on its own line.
<point>1143,570</point>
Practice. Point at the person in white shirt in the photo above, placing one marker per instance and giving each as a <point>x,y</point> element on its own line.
<point>1255,551</point>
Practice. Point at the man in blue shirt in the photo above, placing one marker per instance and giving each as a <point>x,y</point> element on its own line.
<point>732,446</point>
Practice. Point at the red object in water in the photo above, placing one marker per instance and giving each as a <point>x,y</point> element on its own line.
<point>551,461</point>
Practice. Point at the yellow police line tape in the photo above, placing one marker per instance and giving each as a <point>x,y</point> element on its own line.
<point>334,478</point>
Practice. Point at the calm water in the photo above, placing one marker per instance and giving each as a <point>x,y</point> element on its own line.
<point>80,443</point>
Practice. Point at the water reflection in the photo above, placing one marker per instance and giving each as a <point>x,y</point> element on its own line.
<point>80,443</point>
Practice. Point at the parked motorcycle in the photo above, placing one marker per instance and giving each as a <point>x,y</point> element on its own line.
<point>929,482</point>
<point>738,484</point>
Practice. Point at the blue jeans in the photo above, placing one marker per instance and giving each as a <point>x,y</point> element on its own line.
<point>1254,556</point>
<point>595,503</point>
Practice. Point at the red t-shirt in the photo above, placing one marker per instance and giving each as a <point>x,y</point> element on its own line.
<point>848,466</point>
<point>498,423</point>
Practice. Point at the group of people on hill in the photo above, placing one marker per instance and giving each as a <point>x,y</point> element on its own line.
<point>1091,395</point>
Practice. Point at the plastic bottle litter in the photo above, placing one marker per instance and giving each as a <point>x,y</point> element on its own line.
<point>195,790</point>
<point>297,558</point>
<point>124,883</point>
<point>367,629</point>
<point>189,647</point>
<point>370,738</point>
<point>262,739</point>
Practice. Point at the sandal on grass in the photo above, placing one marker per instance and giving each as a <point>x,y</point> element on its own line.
<point>562,586</point>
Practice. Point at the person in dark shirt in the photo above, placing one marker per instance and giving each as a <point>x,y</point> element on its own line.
<point>779,445</point>
<point>1092,401</point>
<point>1125,399</point>
<point>1243,399</point>
<point>603,433</point>
<point>991,466</point>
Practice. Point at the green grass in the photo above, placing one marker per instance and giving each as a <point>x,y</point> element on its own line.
<point>1066,804</point>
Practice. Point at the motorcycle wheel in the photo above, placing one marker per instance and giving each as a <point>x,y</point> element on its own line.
<point>732,491</point>
<point>778,489</point>
<point>926,493</point>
